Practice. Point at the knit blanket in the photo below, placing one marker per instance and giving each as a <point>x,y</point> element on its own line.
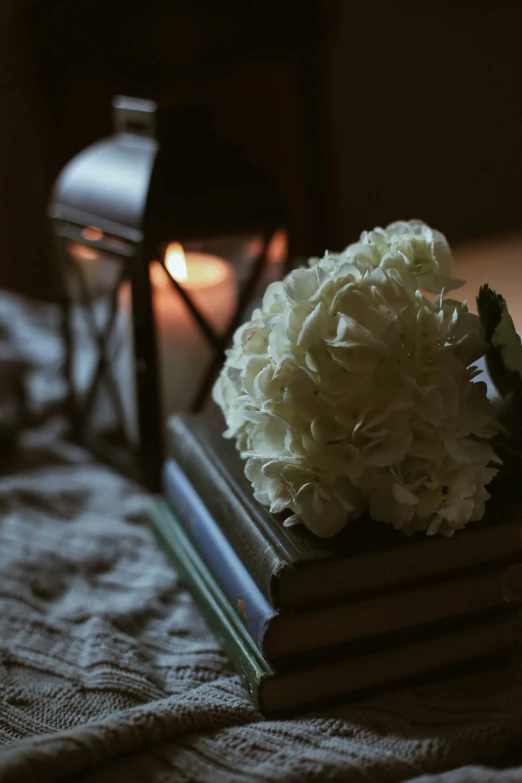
<point>108,673</point>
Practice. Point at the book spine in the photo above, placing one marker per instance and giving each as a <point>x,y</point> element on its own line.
<point>231,575</point>
<point>258,547</point>
<point>237,644</point>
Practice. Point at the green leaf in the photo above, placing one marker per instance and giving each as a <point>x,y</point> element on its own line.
<point>504,356</point>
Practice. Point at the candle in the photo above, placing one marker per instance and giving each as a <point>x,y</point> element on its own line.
<point>184,353</point>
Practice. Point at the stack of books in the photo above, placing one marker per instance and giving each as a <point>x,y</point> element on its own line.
<point>308,621</point>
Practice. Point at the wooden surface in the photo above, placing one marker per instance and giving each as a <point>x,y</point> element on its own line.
<point>497,261</point>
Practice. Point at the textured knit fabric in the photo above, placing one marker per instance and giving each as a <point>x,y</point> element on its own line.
<point>108,674</point>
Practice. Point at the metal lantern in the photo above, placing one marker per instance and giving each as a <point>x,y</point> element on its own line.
<point>165,234</point>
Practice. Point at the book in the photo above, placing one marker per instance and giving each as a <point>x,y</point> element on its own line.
<point>293,568</point>
<point>280,635</point>
<point>330,679</point>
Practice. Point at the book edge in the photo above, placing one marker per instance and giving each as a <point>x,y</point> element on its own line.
<point>214,547</point>
<point>217,612</point>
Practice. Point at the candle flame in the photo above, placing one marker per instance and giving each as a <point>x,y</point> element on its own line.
<point>175,261</point>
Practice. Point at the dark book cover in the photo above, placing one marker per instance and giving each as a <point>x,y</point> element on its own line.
<point>311,683</point>
<point>295,569</point>
<point>283,635</point>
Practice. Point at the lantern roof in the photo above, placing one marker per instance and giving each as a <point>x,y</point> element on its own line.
<point>165,172</point>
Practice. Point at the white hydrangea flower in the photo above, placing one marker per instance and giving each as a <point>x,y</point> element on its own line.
<point>413,248</point>
<point>349,389</point>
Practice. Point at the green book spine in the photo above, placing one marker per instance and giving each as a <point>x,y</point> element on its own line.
<point>213,605</point>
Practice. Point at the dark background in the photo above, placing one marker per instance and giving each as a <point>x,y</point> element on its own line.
<point>365,114</point>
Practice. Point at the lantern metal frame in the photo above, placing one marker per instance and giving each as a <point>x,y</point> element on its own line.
<point>120,186</point>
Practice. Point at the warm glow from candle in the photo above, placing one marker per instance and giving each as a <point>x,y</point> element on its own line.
<point>83,252</point>
<point>277,249</point>
<point>158,276</point>
<point>175,261</point>
<point>92,234</point>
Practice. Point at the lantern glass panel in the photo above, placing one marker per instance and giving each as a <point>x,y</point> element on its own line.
<point>103,363</point>
<point>221,280</point>
<point>100,330</point>
<point>242,251</point>
<point>184,351</point>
